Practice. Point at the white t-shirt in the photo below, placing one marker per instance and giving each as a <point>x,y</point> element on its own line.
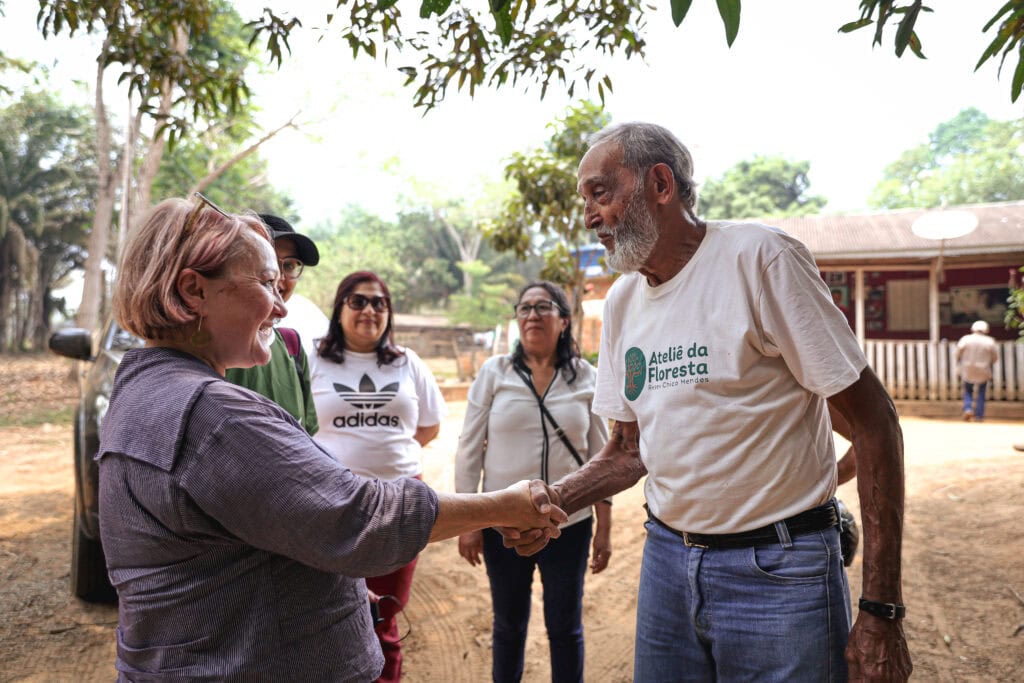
<point>305,318</point>
<point>505,436</point>
<point>368,415</point>
<point>725,368</point>
<point>976,352</point>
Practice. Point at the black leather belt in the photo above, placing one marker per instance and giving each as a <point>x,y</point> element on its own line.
<point>816,519</point>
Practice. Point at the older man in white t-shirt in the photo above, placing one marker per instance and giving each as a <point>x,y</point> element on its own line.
<point>721,349</point>
<point>976,353</point>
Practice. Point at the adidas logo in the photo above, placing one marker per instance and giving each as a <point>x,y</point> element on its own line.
<point>367,397</point>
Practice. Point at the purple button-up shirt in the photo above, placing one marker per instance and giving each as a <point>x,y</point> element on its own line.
<point>234,542</point>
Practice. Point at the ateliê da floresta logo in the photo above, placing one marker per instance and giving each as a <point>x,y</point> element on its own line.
<point>675,366</point>
<point>366,398</point>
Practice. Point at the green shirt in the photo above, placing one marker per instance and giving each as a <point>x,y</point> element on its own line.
<point>283,381</point>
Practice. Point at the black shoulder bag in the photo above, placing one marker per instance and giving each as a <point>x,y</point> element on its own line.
<point>523,375</point>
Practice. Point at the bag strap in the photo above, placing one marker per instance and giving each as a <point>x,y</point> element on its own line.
<point>294,347</point>
<point>291,341</point>
<point>546,413</point>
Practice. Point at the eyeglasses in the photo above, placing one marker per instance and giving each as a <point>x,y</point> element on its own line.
<point>291,268</point>
<point>193,216</point>
<point>358,302</point>
<point>543,308</point>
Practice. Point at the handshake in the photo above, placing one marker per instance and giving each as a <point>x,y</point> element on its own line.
<point>534,516</point>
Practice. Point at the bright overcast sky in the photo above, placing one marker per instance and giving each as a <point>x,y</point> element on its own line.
<point>790,85</point>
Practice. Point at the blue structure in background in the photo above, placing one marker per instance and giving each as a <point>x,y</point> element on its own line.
<point>590,256</point>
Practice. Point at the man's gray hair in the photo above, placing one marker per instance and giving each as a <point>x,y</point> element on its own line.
<point>646,144</point>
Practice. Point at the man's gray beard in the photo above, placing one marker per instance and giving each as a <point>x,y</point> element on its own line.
<point>635,235</point>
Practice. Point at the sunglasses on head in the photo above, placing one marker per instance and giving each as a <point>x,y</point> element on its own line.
<point>358,302</point>
<point>193,216</point>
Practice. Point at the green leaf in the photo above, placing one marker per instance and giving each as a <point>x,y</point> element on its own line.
<point>993,47</point>
<point>679,10</point>
<point>429,7</point>
<point>497,5</point>
<point>884,12</point>
<point>915,46</point>
<point>1018,77</point>
<point>995,17</point>
<point>730,11</point>
<point>503,24</point>
<point>906,28</point>
<point>854,25</point>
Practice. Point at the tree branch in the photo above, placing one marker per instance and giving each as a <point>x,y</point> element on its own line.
<point>221,169</point>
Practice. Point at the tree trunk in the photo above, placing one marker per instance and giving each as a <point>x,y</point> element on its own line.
<point>7,275</point>
<point>158,140</point>
<point>468,248</point>
<point>13,260</point>
<point>40,331</point>
<point>106,190</point>
<point>578,288</point>
<point>33,304</point>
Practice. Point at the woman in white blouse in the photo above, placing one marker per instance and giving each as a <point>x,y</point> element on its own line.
<point>518,407</point>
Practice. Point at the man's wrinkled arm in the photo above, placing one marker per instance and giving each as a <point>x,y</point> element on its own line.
<point>615,468</point>
<point>877,648</point>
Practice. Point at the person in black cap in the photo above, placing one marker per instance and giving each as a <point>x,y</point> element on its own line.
<point>285,379</point>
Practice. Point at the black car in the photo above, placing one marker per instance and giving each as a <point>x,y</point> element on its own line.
<point>88,567</point>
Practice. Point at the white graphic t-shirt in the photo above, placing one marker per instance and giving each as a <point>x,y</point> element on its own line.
<point>725,368</point>
<point>368,414</point>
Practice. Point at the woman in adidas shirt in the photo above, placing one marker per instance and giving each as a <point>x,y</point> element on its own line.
<point>516,407</point>
<point>377,404</point>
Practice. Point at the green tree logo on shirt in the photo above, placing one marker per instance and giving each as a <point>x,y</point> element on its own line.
<point>635,371</point>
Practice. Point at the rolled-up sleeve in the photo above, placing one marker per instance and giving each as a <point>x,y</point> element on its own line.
<point>469,457</point>
<point>270,485</point>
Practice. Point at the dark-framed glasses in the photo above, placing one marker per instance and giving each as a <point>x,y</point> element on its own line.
<point>202,202</point>
<point>543,308</point>
<point>291,268</point>
<point>358,302</point>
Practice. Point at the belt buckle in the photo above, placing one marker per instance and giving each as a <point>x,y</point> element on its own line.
<point>690,543</point>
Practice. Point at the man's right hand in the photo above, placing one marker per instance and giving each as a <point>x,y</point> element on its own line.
<point>530,541</point>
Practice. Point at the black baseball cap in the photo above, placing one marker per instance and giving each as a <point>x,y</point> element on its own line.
<point>304,247</point>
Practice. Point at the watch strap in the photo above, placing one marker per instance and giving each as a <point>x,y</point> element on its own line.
<point>883,610</point>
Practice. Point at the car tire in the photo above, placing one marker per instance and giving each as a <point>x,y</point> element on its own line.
<point>89,579</point>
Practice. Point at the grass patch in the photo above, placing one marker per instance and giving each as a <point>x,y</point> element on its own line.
<point>34,415</point>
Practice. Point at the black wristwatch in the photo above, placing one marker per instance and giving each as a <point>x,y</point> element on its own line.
<point>883,610</point>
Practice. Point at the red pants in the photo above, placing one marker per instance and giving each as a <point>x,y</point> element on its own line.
<point>398,584</point>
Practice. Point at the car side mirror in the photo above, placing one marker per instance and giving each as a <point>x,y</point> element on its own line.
<point>73,342</point>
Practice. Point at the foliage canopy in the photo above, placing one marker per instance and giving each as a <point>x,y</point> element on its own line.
<point>969,159</point>
<point>759,188</point>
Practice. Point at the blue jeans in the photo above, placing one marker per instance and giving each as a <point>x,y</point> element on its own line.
<point>979,404</point>
<point>769,614</point>
<point>563,565</point>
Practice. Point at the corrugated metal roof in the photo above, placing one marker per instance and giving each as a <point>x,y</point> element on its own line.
<point>888,235</point>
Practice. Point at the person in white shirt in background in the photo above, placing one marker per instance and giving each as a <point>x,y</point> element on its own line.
<point>518,408</point>
<point>976,353</point>
<point>377,404</point>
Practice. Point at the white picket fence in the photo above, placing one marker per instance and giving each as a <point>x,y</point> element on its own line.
<point>921,370</point>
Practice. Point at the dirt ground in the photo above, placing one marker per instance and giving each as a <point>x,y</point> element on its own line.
<point>963,575</point>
